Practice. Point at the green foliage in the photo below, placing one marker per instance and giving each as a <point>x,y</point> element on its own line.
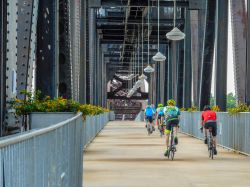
<point>215,108</point>
<point>38,104</point>
<point>183,109</point>
<point>231,100</point>
<point>192,109</point>
<point>242,107</point>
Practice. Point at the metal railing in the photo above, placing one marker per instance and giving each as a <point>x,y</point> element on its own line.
<point>233,130</point>
<point>50,156</point>
<point>93,125</point>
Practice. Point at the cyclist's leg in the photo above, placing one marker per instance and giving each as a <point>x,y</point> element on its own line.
<point>158,122</point>
<point>214,133</point>
<point>167,132</point>
<point>150,123</point>
<point>146,120</point>
<point>206,131</point>
<point>175,129</point>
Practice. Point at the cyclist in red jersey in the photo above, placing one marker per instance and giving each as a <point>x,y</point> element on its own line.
<point>209,118</point>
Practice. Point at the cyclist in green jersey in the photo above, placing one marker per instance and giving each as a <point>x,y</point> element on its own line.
<point>172,114</point>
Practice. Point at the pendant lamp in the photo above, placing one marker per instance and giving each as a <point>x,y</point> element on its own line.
<point>159,57</point>
<point>175,34</point>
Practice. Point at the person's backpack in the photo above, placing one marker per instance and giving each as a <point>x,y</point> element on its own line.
<point>173,112</point>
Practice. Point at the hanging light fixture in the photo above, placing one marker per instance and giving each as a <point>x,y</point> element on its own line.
<point>148,69</point>
<point>175,34</point>
<point>159,57</point>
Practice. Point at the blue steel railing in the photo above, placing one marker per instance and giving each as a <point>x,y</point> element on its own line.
<point>50,156</point>
<point>233,130</point>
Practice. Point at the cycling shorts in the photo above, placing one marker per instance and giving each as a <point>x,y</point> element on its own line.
<point>160,116</point>
<point>213,125</point>
<point>149,118</point>
<point>172,123</point>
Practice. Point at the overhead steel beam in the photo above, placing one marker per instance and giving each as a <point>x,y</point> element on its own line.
<point>118,55</point>
<point>136,21</point>
<point>119,28</point>
<point>106,41</point>
<point>141,3</point>
<point>143,97</point>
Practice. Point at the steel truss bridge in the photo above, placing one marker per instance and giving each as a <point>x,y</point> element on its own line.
<point>75,48</point>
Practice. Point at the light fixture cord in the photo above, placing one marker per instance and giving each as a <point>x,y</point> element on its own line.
<point>158,25</point>
<point>142,45</point>
<point>138,50</point>
<point>148,32</point>
<point>174,12</point>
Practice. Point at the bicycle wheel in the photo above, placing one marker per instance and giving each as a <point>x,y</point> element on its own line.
<point>212,152</point>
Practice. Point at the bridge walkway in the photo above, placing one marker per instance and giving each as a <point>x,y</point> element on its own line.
<point>123,155</point>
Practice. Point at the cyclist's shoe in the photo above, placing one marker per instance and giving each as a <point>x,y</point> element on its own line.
<point>166,153</point>
<point>205,141</point>
<point>175,140</point>
<point>215,151</point>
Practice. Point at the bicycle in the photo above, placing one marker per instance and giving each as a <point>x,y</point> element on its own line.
<point>210,144</point>
<point>149,127</point>
<point>161,127</point>
<point>172,148</point>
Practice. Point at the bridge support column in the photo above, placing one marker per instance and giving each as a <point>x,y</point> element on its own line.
<point>180,69</point>
<point>170,72</point>
<point>238,14</point>
<point>208,53</point>
<point>166,75</point>
<point>248,55</point>
<point>3,16</point>
<point>187,82</point>
<point>91,50</point>
<point>221,55</point>
<point>195,54</point>
<point>82,77</point>
<point>47,48</point>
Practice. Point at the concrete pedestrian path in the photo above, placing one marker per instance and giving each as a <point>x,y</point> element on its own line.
<point>123,155</point>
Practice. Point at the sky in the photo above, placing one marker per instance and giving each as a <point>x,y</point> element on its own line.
<point>230,66</point>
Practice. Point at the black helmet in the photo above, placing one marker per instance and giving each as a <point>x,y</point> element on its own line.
<point>206,107</point>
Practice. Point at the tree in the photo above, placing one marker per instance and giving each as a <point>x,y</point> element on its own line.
<point>231,100</point>
<point>212,101</point>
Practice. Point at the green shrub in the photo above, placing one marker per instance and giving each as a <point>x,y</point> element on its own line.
<point>38,104</point>
<point>242,107</point>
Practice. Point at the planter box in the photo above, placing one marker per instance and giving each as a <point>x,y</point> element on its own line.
<point>44,119</point>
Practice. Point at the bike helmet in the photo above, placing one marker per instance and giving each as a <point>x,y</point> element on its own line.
<point>160,105</point>
<point>206,107</point>
<point>171,102</point>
